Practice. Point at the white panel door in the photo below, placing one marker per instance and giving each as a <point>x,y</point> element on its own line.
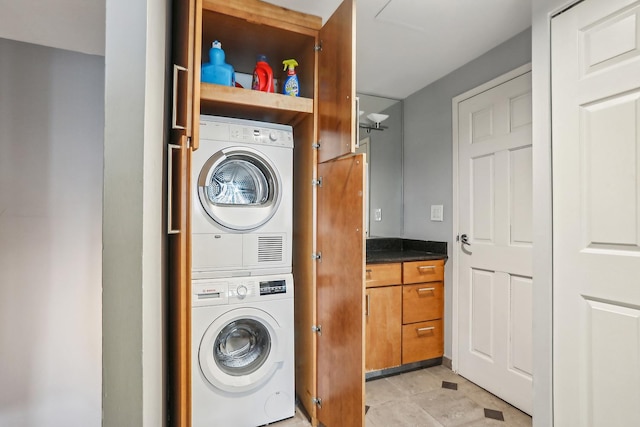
<point>495,260</point>
<point>596,214</point>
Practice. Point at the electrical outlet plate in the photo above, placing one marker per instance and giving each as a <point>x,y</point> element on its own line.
<point>377,214</point>
<point>437,212</point>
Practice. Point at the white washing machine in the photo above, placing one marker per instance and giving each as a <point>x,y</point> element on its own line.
<point>242,202</point>
<point>243,351</point>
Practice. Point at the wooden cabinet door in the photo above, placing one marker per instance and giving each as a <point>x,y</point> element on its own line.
<point>340,229</point>
<point>184,105</point>
<point>185,95</point>
<point>340,292</point>
<point>337,84</point>
<point>383,320</point>
<point>179,282</point>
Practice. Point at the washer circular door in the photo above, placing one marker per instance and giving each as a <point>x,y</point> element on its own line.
<point>239,188</point>
<point>241,350</point>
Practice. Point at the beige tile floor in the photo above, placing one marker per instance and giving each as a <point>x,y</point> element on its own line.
<point>418,399</point>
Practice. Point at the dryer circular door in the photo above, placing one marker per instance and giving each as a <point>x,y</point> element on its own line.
<point>241,350</point>
<point>239,188</point>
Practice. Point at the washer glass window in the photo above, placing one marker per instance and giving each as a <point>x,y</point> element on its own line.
<point>242,347</point>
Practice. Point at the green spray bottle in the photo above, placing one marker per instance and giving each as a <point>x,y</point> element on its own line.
<point>291,85</point>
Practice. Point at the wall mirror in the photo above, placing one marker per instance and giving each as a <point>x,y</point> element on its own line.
<point>383,148</point>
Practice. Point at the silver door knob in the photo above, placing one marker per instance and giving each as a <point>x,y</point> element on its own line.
<point>465,240</point>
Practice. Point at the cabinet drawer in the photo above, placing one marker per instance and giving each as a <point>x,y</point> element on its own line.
<point>422,341</point>
<point>423,271</point>
<point>383,274</point>
<point>424,301</point>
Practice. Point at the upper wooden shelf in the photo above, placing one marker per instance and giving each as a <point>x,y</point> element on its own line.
<point>252,104</point>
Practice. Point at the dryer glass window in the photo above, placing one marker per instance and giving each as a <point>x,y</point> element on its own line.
<point>239,188</point>
<point>238,182</point>
<point>242,347</point>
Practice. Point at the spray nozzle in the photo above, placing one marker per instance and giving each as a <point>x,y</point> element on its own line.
<point>216,44</point>
<point>290,63</point>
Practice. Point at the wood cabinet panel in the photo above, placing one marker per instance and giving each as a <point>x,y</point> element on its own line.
<point>340,292</point>
<point>383,274</point>
<point>423,301</point>
<point>337,85</point>
<point>383,329</point>
<point>423,271</point>
<point>325,114</point>
<point>422,341</point>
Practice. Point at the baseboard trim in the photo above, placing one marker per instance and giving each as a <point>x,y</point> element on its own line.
<point>373,375</point>
<point>447,362</point>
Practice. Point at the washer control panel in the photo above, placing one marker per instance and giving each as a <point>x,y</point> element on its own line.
<point>243,290</point>
<point>273,287</point>
<point>252,290</point>
<point>237,290</point>
<point>210,293</point>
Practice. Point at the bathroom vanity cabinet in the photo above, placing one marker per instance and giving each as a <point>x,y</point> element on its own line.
<point>404,313</point>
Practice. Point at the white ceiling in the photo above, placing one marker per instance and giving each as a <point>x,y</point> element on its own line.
<point>402,45</point>
<point>66,24</point>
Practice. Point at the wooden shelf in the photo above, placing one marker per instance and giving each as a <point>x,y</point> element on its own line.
<point>252,104</point>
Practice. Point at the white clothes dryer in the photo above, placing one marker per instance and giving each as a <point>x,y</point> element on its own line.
<point>243,351</point>
<point>242,202</point>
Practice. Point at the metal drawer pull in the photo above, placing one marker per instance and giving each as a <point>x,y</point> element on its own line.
<point>426,267</point>
<point>426,289</point>
<point>425,329</point>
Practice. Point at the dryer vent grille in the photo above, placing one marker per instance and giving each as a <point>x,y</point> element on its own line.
<point>270,248</point>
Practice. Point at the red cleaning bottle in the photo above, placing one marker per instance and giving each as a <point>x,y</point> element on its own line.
<point>262,76</point>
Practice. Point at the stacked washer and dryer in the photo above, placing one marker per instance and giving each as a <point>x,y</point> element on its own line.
<point>242,287</point>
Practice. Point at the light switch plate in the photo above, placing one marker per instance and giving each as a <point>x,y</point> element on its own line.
<point>377,214</point>
<point>437,212</point>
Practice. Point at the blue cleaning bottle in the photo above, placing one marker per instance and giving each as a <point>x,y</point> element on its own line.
<point>216,70</point>
<point>291,85</point>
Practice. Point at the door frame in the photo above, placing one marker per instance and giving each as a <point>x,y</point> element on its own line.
<point>542,14</point>
<point>455,207</point>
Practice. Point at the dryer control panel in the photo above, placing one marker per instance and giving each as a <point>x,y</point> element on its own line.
<point>260,135</point>
<point>245,131</point>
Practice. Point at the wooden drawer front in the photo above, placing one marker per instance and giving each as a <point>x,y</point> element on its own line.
<point>422,341</point>
<point>423,271</point>
<point>423,301</point>
<point>383,274</point>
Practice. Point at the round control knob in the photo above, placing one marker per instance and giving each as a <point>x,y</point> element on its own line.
<point>242,291</point>
<point>273,136</point>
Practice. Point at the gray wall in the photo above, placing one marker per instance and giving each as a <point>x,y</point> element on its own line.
<point>51,141</point>
<point>385,183</point>
<point>134,314</point>
<point>428,147</point>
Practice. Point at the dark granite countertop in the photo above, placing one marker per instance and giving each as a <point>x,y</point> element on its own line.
<point>386,250</point>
